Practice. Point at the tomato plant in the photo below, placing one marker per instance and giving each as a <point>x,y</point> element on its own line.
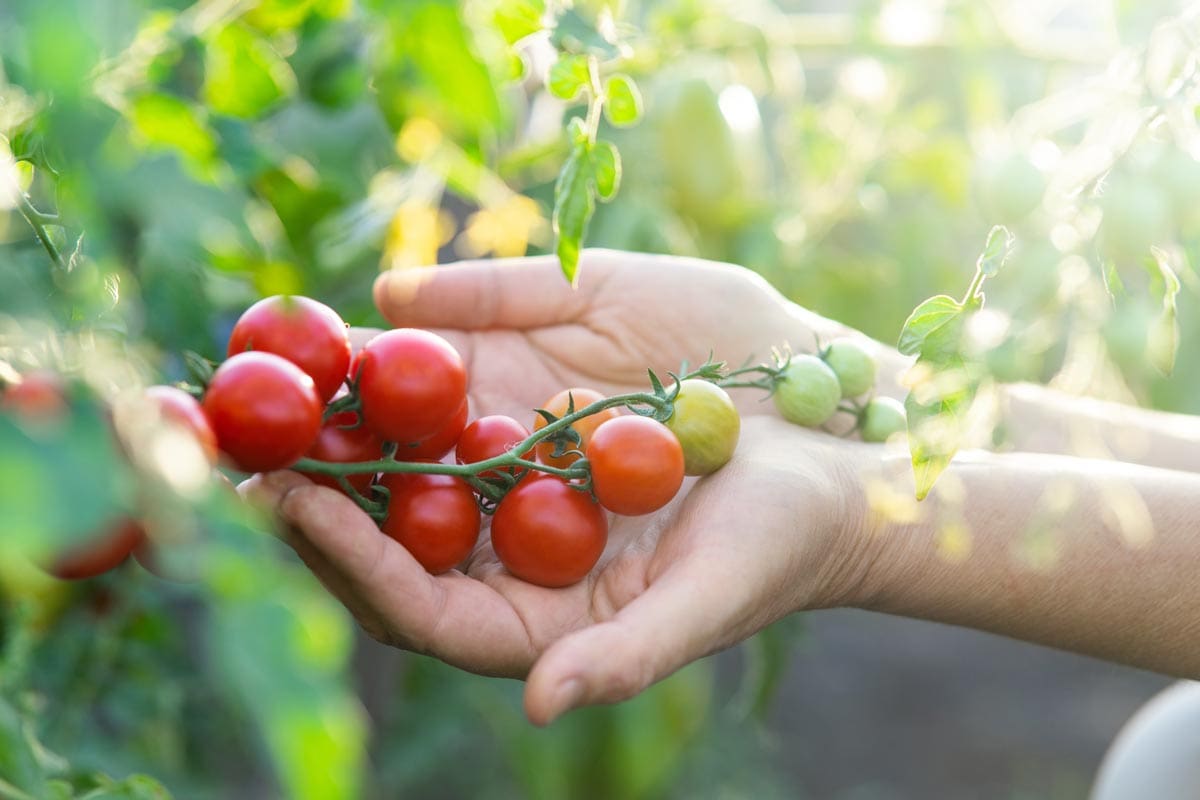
<point>547,532</point>
<point>434,517</point>
<point>309,334</point>
<point>340,443</point>
<point>264,409</point>
<point>488,437</point>
<point>411,383</point>
<point>637,465</point>
<point>707,425</point>
<point>558,405</point>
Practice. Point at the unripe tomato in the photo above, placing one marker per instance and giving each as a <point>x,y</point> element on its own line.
<point>102,552</point>
<point>707,425</point>
<point>809,391</point>
<point>411,383</point>
<point>547,533</point>
<point>177,407</point>
<point>557,406</point>
<point>264,409</point>
<point>309,334</point>
<point>637,465</point>
<point>437,446</point>
<point>853,365</point>
<point>343,445</point>
<point>434,517</point>
<point>488,437</point>
<point>882,418</point>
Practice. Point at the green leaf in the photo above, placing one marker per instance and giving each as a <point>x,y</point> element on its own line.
<point>936,407</point>
<point>516,19</point>
<point>20,774</point>
<point>165,121</point>
<point>996,251</point>
<point>574,205</point>
<point>575,33</point>
<point>1162,340</point>
<point>243,74</point>
<point>135,787</point>
<point>622,101</point>
<point>569,76</point>
<point>926,320</point>
<point>606,169</point>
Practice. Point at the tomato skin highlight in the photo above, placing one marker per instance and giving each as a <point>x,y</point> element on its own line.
<point>309,334</point>
<point>102,552</point>
<point>177,407</point>
<point>264,409</point>
<point>434,517</point>
<point>411,383</point>
<point>637,465</point>
<point>547,533</point>
<point>557,405</point>
<point>342,445</point>
<point>488,437</point>
<point>436,447</point>
<point>707,425</point>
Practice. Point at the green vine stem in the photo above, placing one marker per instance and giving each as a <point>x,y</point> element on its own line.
<point>38,220</point>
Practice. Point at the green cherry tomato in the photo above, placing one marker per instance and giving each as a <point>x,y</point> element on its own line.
<point>707,425</point>
<point>883,417</point>
<point>808,392</point>
<point>853,365</point>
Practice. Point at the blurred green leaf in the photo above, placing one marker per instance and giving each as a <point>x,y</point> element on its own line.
<point>940,314</point>
<point>244,75</point>
<point>20,775</point>
<point>606,169</point>
<point>1162,340</point>
<point>135,787</point>
<point>622,101</point>
<point>517,19</point>
<point>573,208</point>
<point>996,251</point>
<point>165,121</point>
<point>569,76</point>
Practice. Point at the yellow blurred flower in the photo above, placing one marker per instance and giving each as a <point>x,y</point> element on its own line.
<point>415,234</point>
<point>504,229</point>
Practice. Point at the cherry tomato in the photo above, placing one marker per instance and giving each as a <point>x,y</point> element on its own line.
<point>102,552</point>
<point>853,365</point>
<point>177,407</point>
<point>637,465</point>
<point>343,445</point>
<point>707,425</point>
<point>882,418</point>
<point>557,406</point>
<point>488,437</point>
<point>433,516</point>
<point>411,383</point>
<point>548,533</point>
<point>437,446</point>
<point>264,409</point>
<point>309,334</point>
<point>809,392</point>
<point>40,395</point>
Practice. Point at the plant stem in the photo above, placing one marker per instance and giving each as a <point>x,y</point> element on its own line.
<point>37,220</point>
<point>595,102</point>
<point>976,285</point>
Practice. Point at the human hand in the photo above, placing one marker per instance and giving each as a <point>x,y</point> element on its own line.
<point>762,537</point>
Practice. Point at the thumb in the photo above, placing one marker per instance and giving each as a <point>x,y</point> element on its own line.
<point>670,625</point>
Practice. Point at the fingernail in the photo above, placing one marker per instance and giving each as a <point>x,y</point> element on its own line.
<point>566,696</point>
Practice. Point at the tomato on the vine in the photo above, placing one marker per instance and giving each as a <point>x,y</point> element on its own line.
<point>264,409</point>
<point>882,417</point>
<point>853,366</point>
<point>100,553</point>
<point>637,465</point>
<point>411,383</point>
<point>177,407</point>
<point>557,406</point>
<point>437,446</point>
<point>808,391</point>
<point>434,517</point>
<point>488,437</point>
<point>707,425</point>
<point>548,533</point>
<point>340,444</point>
<point>309,334</point>
<point>40,395</point>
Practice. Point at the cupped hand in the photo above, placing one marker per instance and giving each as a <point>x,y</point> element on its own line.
<point>737,550</point>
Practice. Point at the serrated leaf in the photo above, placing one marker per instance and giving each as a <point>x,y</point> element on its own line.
<point>606,169</point>
<point>569,76</point>
<point>996,251</point>
<point>573,209</point>
<point>622,101</point>
<point>926,320</point>
<point>516,19</point>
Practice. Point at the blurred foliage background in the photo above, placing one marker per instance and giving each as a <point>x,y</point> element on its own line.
<point>164,162</point>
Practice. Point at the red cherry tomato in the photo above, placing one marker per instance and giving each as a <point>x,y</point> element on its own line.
<point>177,407</point>
<point>546,532</point>
<point>557,406</point>
<point>488,437</point>
<point>264,409</point>
<point>637,465</point>
<point>106,550</point>
<point>309,334</point>
<point>433,516</point>
<point>437,446</point>
<point>411,383</point>
<point>343,445</point>
<point>40,395</point>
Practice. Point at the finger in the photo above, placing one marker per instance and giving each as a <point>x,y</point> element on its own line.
<point>676,621</point>
<point>453,617</point>
<point>519,293</point>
